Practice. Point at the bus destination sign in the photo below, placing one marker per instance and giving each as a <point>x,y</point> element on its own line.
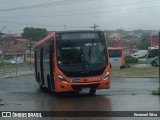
<point>72,36</point>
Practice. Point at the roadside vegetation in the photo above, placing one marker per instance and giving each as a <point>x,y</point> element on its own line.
<point>8,65</point>
<point>135,72</point>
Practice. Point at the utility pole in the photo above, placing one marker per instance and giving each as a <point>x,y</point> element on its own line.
<point>64,27</point>
<point>9,31</point>
<point>30,52</point>
<point>30,48</point>
<point>3,48</point>
<point>159,64</point>
<point>94,26</point>
<point>3,28</point>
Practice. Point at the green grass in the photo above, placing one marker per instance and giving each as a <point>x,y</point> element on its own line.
<point>141,62</point>
<point>7,65</point>
<point>135,72</point>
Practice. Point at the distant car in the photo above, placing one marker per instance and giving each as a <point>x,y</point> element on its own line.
<point>130,59</point>
<point>140,54</point>
<point>135,55</point>
<point>16,61</point>
<point>13,61</point>
<point>156,62</point>
<point>30,59</point>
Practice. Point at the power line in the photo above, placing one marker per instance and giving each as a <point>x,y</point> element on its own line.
<point>36,24</point>
<point>36,15</point>
<point>22,23</point>
<point>8,1</point>
<point>111,11</point>
<point>89,13</point>
<point>63,2</point>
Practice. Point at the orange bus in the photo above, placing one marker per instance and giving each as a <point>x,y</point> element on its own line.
<point>73,61</point>
<point>116,56</point>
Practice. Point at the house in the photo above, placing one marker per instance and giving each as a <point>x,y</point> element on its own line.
<point>15,47</point>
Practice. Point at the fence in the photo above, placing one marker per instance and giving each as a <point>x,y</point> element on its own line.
<point>16,64</point>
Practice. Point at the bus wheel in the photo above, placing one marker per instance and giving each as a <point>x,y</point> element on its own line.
<point>92,91</point>
<point>41,87</point>
<point>154,64</point>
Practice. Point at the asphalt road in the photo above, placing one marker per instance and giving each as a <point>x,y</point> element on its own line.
<point>128,94</point>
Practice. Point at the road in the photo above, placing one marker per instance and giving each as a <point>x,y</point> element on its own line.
<point>12,71</point>
<point>126,94</point>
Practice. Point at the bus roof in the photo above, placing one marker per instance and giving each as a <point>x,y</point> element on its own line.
<point>59,32</point>
<point>45,39</point>
<point>75,31</point>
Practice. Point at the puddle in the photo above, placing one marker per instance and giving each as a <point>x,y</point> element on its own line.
<point>2,104</point>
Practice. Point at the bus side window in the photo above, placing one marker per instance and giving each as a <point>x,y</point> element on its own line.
<point>51,51</point>
<point>51,47</point>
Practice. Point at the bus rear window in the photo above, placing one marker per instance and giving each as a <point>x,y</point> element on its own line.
<point>115,53</point>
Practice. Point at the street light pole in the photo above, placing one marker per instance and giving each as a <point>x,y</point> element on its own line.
<point>30,48</point>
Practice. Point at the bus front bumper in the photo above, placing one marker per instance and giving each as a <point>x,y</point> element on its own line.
<point>68,87</point>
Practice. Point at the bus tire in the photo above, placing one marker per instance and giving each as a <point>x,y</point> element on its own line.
<point>92,91</point>
<point>41,87</point>
<point>154,64</point>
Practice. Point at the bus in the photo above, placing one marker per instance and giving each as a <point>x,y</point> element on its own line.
<point>67,61</point>
<point>116,56</point>
<point>153,56</point>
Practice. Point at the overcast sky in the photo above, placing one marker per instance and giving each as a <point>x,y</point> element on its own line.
<point>79,14</point>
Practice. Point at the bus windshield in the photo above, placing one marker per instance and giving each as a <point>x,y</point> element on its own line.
<point>115,53</point>
<point>81,56</point>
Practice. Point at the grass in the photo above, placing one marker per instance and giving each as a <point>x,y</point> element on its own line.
<point>135,72</point>
<point>115,73</point>
<point>7,65</point>
<point>141,62</point>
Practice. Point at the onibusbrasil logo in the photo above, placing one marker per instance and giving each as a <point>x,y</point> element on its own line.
<point>21,114</point>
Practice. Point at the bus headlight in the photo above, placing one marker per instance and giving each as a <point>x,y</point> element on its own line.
<point>106,76</point>
<point>61,78</point>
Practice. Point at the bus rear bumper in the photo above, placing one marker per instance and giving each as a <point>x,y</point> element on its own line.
<point>69,87</point>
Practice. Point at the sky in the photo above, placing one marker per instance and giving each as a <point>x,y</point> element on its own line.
<point>59,15</point>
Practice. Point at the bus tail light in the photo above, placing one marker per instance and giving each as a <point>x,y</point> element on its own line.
<point>106,76</point>
<point>61,78</point>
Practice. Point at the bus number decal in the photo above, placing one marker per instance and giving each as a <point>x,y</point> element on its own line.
<point>87,36</point>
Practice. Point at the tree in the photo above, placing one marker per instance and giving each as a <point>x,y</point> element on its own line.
<point>145,41</point>
<point>121,31</point>
<point>34,34</point>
